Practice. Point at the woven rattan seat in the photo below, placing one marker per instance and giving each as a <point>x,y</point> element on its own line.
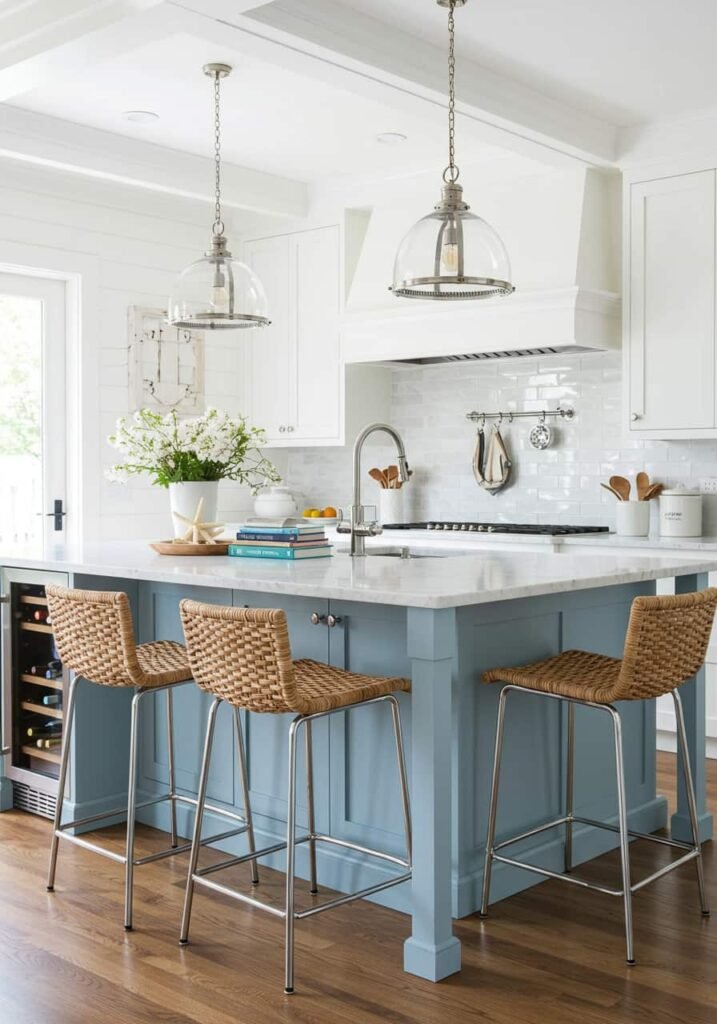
<point>322,687</point>
<point>243,656</point>
<point>95,638</point>
<point>665,645</point>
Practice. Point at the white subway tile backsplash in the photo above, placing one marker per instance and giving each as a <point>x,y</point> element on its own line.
<point>561,484</point>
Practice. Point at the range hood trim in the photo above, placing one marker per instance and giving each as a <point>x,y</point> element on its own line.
<point>569,319</point>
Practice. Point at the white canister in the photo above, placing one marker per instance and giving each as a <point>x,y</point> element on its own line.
<point>680,513</point>
<point>275,501</point>
<point>633,518</point>
<point>390,505</point>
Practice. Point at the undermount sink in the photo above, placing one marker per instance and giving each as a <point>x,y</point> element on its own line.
<point>402,552</point>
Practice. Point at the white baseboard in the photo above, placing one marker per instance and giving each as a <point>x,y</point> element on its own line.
<point>666,740</point>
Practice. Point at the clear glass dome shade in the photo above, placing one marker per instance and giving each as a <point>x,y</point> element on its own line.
<point>217,292</point>
<point>451,254</point>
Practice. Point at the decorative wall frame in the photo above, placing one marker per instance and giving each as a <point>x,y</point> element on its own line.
<point>166,364</point>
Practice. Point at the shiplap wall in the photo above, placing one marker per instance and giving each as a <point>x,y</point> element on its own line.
<point>136,243</point>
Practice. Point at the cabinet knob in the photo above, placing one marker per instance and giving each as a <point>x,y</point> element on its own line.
<point>635,416</point>
<point>317,619</point>
<point>333,620</point>
<point>290,430</point>
<point>282,430</point>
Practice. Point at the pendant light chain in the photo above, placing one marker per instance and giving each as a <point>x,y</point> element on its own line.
<point>452,172</point>
<point>218,227</point>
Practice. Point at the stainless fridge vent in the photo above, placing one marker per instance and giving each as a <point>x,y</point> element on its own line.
<point>512,353</point>
<point>25,798</point>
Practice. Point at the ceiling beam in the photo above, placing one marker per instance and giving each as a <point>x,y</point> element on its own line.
<point>350,50</point>
<point>51,142</point>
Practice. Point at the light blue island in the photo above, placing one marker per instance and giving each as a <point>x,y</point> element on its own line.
<point>440,621</point>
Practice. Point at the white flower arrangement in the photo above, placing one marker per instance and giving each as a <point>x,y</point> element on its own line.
<point>214,446</point>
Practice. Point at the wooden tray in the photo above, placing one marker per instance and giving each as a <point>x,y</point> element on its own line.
<point>168,547</point>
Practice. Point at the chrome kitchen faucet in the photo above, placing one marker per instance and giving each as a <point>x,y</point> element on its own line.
<point>357,527</point>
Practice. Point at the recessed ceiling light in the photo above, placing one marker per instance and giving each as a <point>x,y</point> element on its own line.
<point>141,116</point>
<point>391,138</point>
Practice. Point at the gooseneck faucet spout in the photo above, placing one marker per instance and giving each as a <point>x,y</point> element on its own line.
<point>357,526</point>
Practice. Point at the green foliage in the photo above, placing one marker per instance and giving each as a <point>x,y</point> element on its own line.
<point>210,447</point>
<point>20,369</point>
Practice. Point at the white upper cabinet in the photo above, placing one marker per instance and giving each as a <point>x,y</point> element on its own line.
<point>670,315</point>
<point>295,378</point>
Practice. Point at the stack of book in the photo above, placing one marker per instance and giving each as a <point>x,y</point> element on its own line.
<point>281,537</point>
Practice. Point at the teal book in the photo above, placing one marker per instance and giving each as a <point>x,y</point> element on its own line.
<point>287,554</point>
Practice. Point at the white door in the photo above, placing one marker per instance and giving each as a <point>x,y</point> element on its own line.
<point>32,409</point>
<point>315,296</point>
<point>268,347</point>
<point>672,305</point>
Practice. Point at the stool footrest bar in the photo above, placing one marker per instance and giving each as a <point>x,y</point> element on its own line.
<point>636,835</point>
<point>244,857</point>
<point>225,891</point>
<point>533,832</point>
<point>350,897</point>
<point>85,844</point>
<point>556,874</point>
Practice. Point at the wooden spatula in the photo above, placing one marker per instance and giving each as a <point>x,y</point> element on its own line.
<point>622,486</point>
<point>392,476</point>
<point>611,490</point>
<point>379,476</point>
<point>643,486</point>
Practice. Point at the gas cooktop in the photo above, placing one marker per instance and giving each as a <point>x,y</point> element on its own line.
<point>535,529</point>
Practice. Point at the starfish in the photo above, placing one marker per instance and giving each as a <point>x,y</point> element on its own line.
<point>198,532</point>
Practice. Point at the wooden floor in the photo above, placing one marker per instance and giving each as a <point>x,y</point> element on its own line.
<point>550,956</point>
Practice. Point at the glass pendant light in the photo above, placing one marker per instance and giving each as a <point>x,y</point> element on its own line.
<point>217,292</point>
<point>451,253</point>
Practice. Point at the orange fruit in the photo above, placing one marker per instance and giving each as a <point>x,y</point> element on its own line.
<point>329,512</point>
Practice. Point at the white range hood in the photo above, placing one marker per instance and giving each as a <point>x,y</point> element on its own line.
<point>562,232</point>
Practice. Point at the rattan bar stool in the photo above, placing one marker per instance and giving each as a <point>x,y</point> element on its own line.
<point>95,640</point>
<point>665,645</point>
<point>243,656</point>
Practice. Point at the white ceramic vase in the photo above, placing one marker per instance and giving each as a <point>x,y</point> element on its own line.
<point>184,498</point>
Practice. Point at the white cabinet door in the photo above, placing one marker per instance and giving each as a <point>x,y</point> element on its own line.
<point>269,359</point>
<point>671,320</point>
<point>316,377</point>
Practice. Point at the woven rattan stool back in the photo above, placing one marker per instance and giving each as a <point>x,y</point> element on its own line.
<point>241,655</point>
<point>666,643</point>
<point>94,635</point>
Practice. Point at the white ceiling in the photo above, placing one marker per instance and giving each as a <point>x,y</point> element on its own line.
<point>627,61</point>
<point>274,119</point>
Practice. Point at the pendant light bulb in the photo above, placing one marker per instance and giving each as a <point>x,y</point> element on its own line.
<point>217,292</point>
<point>451,253</point>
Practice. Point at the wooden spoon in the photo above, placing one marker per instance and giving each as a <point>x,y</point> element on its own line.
<point>622,486</point>
<point>611,490</point>
<point>643,485</point>
<point>392,475</point>
<point>379,476</point>
<point>653,491</point>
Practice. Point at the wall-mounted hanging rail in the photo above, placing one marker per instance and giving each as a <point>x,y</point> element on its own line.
<point>481,417</point>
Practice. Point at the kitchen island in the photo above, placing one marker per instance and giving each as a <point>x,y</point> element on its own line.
<point>441,621</point>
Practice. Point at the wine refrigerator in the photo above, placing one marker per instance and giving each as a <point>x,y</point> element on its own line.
<point>33,691</point>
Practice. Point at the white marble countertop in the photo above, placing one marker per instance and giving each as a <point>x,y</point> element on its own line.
<point>479,576</point>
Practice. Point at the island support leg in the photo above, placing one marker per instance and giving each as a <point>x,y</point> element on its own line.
<point>693,703</point>
<point>432,952</point>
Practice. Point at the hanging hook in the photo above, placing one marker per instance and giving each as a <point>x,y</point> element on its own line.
<point>500,419</point>
<point>542,418</point>
<point>482,421</point>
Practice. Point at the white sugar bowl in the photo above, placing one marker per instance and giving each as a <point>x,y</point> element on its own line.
<point>275,501</point>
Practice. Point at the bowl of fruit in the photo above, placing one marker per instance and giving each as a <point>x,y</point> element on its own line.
<point>321,516</point>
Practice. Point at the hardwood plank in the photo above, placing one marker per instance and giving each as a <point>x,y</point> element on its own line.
<point>550,954</point>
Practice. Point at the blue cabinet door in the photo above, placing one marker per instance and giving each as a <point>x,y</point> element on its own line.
<point>365,791</point>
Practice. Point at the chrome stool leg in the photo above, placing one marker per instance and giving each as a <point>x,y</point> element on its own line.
<point>691,801</point>
<point>196,839</point>
<point>624,836</point>
<point>62,781</point>
<point>290,850</point>
<point>131,810</point>
<point>170,765</point>
<point>569,788</point>
<point>241,750</point>
<point>490,839</point>
<point>403,775</point>
<point>310,801</point>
